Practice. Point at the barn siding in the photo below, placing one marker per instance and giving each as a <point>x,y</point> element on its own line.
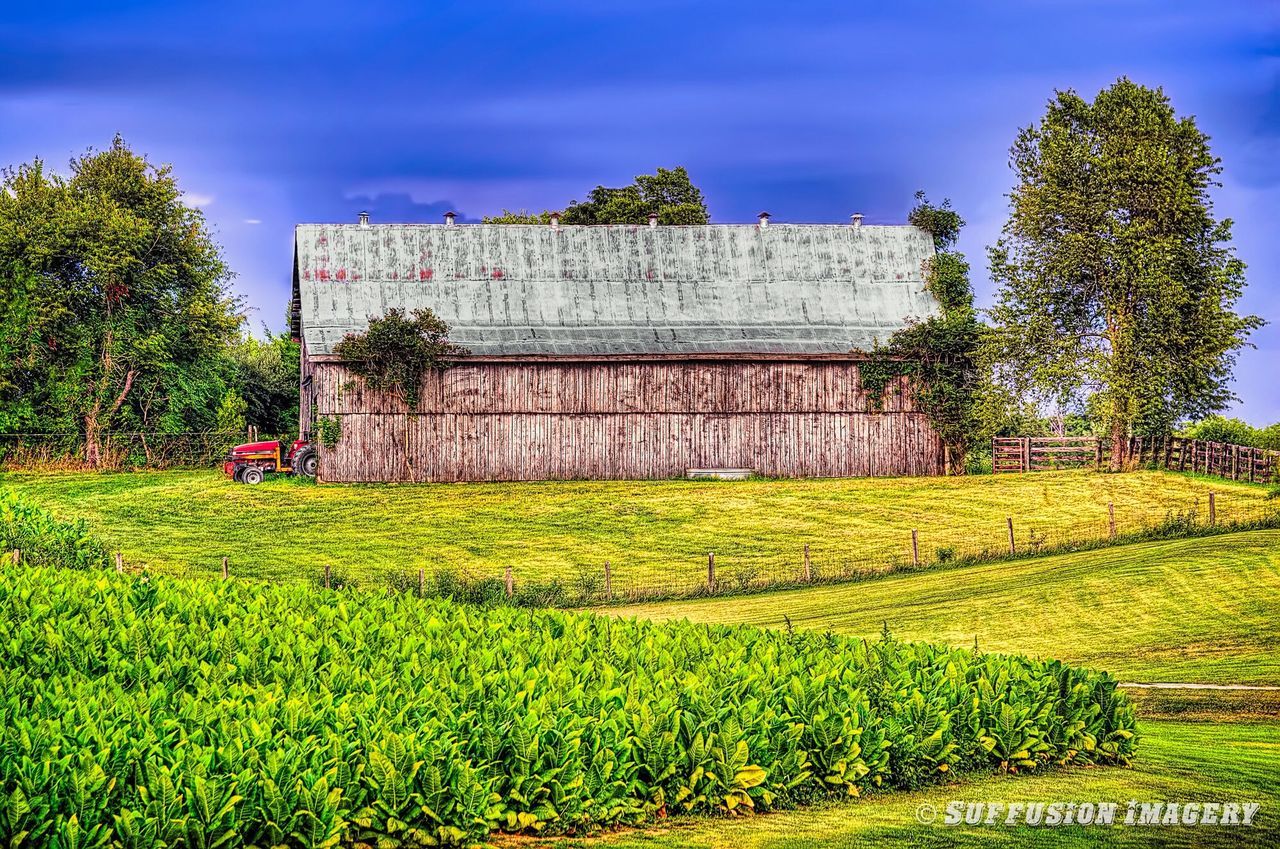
<point>566,421</point>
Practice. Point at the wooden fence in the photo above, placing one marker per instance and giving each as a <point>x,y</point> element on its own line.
<point>1043,453</point>
<point>1176,453</point>
<point>122,451</point>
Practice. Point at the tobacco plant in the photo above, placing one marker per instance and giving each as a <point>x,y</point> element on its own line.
<point>141,712</point>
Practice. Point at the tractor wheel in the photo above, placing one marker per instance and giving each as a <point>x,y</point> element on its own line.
<point>306,462</point>
<point>252,475</point>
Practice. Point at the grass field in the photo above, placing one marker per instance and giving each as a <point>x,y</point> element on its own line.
<point>654,533</point>
<point>1199,610</point>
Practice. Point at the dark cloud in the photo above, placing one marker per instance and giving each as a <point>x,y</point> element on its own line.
<point>307,112</point>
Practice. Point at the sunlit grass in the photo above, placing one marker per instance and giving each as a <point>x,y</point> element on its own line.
<point>1202,610</point>
<point>654,533</point>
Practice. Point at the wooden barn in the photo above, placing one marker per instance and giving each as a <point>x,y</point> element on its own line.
<point>617,351</point>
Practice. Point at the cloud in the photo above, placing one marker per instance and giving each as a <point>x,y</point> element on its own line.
<point>253,221</point>
<point>197,200</point>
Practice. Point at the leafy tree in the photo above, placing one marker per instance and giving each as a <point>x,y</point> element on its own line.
<point>939,354</point>
<point>397,350</point>
<point>114,303</point>
<point>522,216</point>
<point>670,193</point>
<point>230,415</point>
<point>1117,285</point>
<point>267,379</point>
<point>1268,437</point>
<point>1234,431</point>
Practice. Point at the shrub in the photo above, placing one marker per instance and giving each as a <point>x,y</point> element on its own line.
<point>139,712</point>
<point>396,350</point>
<point>45,540</point>
<point>1221,429</point>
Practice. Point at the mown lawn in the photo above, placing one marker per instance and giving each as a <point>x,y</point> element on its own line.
<point>654,533</point>
<point>1202,610</point>
<point>1199,610</point>
<point>1177,761</point>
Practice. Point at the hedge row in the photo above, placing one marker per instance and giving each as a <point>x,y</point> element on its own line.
<point>145,712</point>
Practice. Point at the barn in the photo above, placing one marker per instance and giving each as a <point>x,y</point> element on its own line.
<point>617,352</point>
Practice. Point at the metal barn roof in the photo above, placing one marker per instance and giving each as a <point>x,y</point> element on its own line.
<point>534,290</point>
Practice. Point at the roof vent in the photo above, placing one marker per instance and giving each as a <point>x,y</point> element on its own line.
<point>653,219</point>
<point>764,220</point>
<point>857,219</point>
<point>555,219</point>
<point>449,216</point>
<point>364,219</point>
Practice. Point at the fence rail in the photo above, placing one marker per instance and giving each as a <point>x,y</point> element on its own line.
<point>1222,459</point>
<point>121,450</point>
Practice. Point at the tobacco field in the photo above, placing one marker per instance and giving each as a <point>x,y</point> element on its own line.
<point>139,711</point>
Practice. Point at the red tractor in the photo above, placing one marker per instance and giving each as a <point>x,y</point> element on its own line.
<point>248,463</point>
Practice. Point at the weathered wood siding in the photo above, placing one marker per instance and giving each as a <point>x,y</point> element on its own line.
<point>624,420</point>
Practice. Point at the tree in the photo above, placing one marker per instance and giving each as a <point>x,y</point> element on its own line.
<point>1117,285</point>
<point>114,301</point>
<point>397,349</point>
<point>1222,429</point>
<point>670,193</point>
<point>939,354</point>
<point>267,379</point>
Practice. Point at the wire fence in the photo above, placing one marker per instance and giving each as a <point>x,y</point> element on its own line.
<point>121,450</point>
<point>744,568</point>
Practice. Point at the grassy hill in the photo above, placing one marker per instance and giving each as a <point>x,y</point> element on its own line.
<point>1201,610</point>
<point>655,533</point>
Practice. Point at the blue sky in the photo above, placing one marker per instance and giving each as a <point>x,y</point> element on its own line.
<point>278,113</point>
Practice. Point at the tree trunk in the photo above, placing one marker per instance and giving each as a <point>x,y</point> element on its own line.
<point>93,422</point>
<point>92,433</point>
<point>1119,444</point>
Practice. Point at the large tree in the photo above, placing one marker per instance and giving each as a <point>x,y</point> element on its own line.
<point>669,193</point>
<point>1117,285</point>
<point>115,310</point>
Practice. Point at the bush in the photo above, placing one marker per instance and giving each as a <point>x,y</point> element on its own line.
<point>1223,429</point>
<point>45,540</point>
<point>214,713</point>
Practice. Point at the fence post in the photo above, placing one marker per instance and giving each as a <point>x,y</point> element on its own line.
<point>119,562</point>
<point>608,581</point>
<point>808,567</point>
<point>1097,454</point>
<point>1026,453</point>
<point>422,582</point>
<point>226,572</point>
<point>711,571</point>
<point>1012,548</point>
<point>1111,518</point>
<point>509,579</point>
<point>915,547</point>
<point>1213,512</point>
